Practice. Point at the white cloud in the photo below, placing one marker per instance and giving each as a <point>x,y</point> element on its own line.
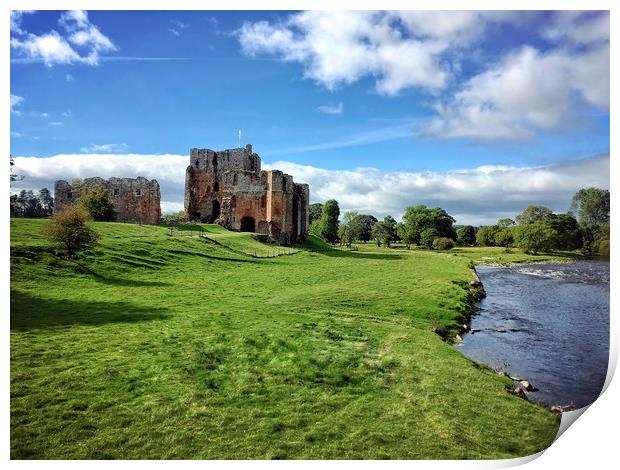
<point>16,101</point>
<point>56,123</point>
<point>69,77</point>
<point>476,196</point>
<point>54,48</point>
<point>16,20</point>
<point>17,135</point>
<point>526,91</point>
<point>174,31</point>
<point>331,109</point>
<point>578,27</point>
<point>99,148</point>
<point>522,92</point>
<point>399,49</point>
<point>342,47</point>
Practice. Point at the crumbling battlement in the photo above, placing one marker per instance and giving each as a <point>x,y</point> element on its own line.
<point>229,188</point>
<point>136,200</point>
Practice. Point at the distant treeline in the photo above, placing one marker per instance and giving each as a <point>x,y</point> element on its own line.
<point>27,204</point>
<point>536,229</point>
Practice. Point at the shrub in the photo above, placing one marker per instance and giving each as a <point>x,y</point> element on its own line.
<point>443,243</point>
<point>70,231</point>
<point>98,203</point>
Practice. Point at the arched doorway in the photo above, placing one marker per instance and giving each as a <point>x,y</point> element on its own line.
<point>248,224</point>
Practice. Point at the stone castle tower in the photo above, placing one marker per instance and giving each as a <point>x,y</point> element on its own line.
<point>229,188</point>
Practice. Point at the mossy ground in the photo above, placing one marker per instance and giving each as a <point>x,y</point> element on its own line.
<point>181,347</point>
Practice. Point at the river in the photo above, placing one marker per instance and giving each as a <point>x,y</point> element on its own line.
<point>546,323</point>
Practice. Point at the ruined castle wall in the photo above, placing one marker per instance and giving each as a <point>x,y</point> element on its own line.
<point>136,200</point>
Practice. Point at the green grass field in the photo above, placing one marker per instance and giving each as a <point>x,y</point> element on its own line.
<point>186,347</point>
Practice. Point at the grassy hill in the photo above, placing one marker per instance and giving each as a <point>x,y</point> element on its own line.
<point>186,346</point>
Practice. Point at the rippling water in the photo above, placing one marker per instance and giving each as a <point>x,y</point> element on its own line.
<point>547,323</point>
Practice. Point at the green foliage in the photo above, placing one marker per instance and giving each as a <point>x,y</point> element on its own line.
<point>329,221</point>
<point>366,222</point>
<point>535,237</point>
<point>70,231</point>
<point>466,235</point>
<point>505,222</point>
<point>569,235</point>
<point>98,203</point>
<point>175,347</point>
<point>175,217</point>
<point>443,243</point>
<point>351,228</point>
<point>26,204</point>
<point>505,237</point>
<point>592,206</point>
<point>421,218</point>
<point>47,201</point>
<point>407,234</point>
<point>428,236</point>
<point>601,243</point>
<point>534,214</point>
<point>485,236</point>
<point>384,232</point>
<point>314,211</point>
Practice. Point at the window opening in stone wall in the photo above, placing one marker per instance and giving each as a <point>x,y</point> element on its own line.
<point>117,192</point>
<point>138,192</point>
<point>69,194</point>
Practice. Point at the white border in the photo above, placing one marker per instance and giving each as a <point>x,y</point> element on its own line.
<point>590,443</point>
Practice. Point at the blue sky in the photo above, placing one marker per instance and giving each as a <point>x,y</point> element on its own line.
<point>332,91</point>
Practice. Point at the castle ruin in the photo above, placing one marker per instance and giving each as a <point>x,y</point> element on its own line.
<point>136,200</point>
<point>229,188</point>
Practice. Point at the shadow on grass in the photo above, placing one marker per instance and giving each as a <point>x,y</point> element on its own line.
<point>28,312</point>
<point>119,281</point>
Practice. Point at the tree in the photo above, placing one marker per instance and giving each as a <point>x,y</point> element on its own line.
<point>47,201</point>
<point>69,230</point>
<point>14,175</point>
<point>443,243</point>
<point>569,235</point>
<point>26,204</point>
<point>533,214</point>
<point>314,212</point>
<point>505,223</point>
<point>466,235</point>
<point>98,203</point>
<point>350,228</point>
<point>383,232</point>
<point>366,222</point>
<point>592,206</point>
<point>428,236</point>
<point>329,221</point>
<point>407,234</point>
<point>421,218</point>
<point>504,237</point>
<point>485,236</point>
<point>535,237</point>
<point>390,230</point>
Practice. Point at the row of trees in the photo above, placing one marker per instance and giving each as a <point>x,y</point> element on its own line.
<point>27,204</point>
<point>421,225</point>
<point>536,229</point>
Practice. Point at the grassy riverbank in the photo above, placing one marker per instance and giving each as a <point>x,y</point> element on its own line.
<point>179,346</point>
